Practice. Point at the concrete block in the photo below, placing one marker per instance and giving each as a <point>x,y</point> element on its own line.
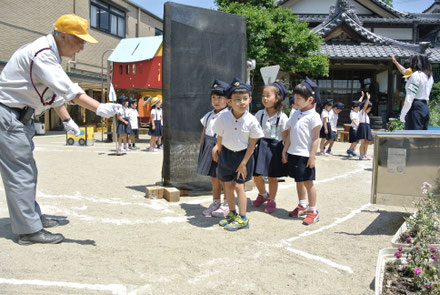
<point>154,192</point>
<point>171,194</point>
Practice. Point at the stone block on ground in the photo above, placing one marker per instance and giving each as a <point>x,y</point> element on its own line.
<point>154,192</point>
<point>171,194</point>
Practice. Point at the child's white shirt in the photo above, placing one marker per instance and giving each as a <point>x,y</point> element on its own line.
<point>325,114</point>
<point>209,119</point>
<point>235,133</point>
<point>157,114</point>
<point>354,116</point>
<point>333,120</point>
<point>267,123</point>
<point>133,118</point>
<point>364,118</point>
<point>301,126</point>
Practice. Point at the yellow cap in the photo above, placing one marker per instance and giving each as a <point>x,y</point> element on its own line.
<point>156,100</point>
<point>75,25</point>
<point>408,72</point>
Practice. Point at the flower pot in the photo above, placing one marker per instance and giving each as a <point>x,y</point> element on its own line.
<point>385,255</point>
<point>395,240</point>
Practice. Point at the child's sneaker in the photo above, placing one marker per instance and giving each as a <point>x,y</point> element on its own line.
<point>222,211</point>
<point>354,154</point>
<point>214,206</point>
<point>260,200</point>
<point>271,206</point>
<point>298,211</point>
<point>349,153</point>
<point>237,224</point>
<point>311,218</point>
<point>228,219</point>
<point>329,151</point>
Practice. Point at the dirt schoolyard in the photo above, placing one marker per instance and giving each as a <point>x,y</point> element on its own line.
<point>118,242</point>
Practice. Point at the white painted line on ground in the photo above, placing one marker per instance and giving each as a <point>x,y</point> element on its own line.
<point>321,259</point>
<point>327,179</point>
<point>152,203</point>
<point>335,223</point>
<point>114,288</point>
<point>48,209</point>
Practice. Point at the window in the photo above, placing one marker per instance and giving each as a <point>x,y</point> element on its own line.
<point>107,18</point>
<point>157,32</point>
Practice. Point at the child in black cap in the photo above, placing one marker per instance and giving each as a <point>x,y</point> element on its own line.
<point>354,118</point>
<point>300,148</point>
<point>206,166</point>
<point>325,132</point>
<point>334,116</point>
<point>133,116</point>
<point>123,128</point>
<point>268,163</point>
<point>363,133</point>
<point>237,133</point>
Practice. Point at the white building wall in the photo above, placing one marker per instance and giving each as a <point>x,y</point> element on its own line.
<point>395,33</point>
<point>382,79</point>
<point>322,7</point>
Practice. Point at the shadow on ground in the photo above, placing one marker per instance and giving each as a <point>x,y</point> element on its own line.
<point>387,223</point>
<point>6,232</point>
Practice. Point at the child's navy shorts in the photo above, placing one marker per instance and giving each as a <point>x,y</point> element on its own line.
<point>297,169</point>
<point>228,163</point>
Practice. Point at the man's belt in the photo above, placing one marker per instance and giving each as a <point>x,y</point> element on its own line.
<point>24,115</point>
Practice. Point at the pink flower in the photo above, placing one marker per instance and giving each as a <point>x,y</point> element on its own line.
<point>435,256</point>
<point>408,240</point>
<point>428,286</point>
<point>400,248</point>
<point>417,270</point>
<point>398,255</point>
<point>433,250</point>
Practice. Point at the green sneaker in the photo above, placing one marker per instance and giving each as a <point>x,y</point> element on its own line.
<point>237,224</point>
<point>229,218</point>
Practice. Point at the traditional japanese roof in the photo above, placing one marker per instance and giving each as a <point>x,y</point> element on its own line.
<point>136,49</point>
<point>420,18</point>
<point>342,13</point>
<point>435,7</point>
<point>372,51</point>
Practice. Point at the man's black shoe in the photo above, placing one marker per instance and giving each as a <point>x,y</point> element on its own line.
<point>40,237</point>
<point>49,222</point>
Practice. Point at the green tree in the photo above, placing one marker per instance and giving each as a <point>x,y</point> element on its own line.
<point>389,2</point>
<point>276,37</point>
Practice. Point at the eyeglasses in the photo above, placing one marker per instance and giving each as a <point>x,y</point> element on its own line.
<point>239,100</point>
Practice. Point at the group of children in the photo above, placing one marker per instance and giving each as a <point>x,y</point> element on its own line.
<point>360,130</point>
<point>128,125</point>
<point>236,146</point>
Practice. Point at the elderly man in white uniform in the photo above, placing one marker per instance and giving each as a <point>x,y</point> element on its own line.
<point>32,82</point>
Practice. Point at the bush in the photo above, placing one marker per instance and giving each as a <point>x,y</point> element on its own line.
<point>396,125</point>
<point>434,116</point>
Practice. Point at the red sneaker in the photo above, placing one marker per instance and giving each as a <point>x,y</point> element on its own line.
<point>298,211</point>
<point>260,201</point>
<point>311,218</point>
<point>271,206</point>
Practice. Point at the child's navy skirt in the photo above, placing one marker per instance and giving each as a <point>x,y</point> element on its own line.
<point>206,166</point>
<point>364,132</point>
<point>417,117</point>
<point>123,128</point>
<point>228,163</point>
<point>322,132</point>
<point>268,158</point>
<point>352,135</point>
<point>157,131</point>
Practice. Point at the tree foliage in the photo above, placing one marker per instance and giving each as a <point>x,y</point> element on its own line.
<point>276,37</point>
<point>389,2</point>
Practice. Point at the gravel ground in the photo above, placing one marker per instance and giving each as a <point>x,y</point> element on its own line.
<point>118,242</point>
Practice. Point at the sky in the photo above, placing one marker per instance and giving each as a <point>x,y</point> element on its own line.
<point>156,6</point>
